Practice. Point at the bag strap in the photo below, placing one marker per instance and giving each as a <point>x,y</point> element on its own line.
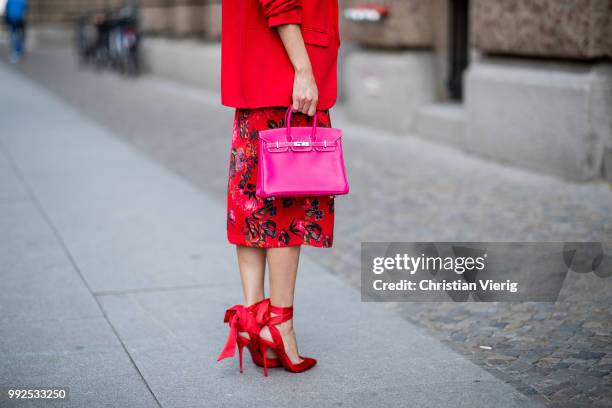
<point>288,114</point>
<point>280,145</point>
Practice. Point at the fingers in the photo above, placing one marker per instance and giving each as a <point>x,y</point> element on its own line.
<point>308,105</point>
<point>301,103</point>
<point>305,100</point>
<point>313,107</point>
<point>298,103</point>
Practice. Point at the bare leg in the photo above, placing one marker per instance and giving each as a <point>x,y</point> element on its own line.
<point>252,264</point>
<point>283,265</point>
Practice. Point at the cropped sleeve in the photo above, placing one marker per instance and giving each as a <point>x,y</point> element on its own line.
<point>279,12</point>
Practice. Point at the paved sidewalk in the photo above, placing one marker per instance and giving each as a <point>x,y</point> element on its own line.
<point>116,273</point>
<point>406,189</point>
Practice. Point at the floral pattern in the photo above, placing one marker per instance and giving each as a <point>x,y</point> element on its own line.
<point>271,222</point>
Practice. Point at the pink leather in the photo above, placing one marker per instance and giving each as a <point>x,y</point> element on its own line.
<point>301,161</point>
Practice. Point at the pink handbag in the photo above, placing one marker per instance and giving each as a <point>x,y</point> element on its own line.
<point>301,161</point>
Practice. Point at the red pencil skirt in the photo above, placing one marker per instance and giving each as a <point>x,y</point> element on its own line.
<point>271,222</point>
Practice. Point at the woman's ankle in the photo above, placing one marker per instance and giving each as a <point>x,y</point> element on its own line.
<point>286,328</point>
<point>251,300</point>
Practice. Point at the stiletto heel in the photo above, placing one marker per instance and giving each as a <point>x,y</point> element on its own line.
<point>264,349</point>
<point>283,314</point>
<point>240,347</point>
<point>246,319</point>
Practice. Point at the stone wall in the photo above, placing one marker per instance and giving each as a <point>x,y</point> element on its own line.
<point>577,29</point>
<point>550,116</point>
<point>165,17</point>
<point>65,11</point>
<point>409,24</point>
<point>187,17</point>
<point>155,16</point>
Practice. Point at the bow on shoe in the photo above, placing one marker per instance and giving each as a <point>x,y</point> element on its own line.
<point>263,312</point>
<point>239,319</point>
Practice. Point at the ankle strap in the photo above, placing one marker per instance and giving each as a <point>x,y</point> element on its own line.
<point>282,314</point>
<point>255,306</point>
<point>264,313</point>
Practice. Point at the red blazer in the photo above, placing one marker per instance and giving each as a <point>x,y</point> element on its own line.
<point>255,69</point>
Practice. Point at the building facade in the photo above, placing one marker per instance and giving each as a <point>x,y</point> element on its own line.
<point>527,82</point>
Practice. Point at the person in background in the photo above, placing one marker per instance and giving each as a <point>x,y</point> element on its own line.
<point>15,17</point>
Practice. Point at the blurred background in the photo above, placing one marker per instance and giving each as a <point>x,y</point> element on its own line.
<point>477,75</point>
<point>464,120</point>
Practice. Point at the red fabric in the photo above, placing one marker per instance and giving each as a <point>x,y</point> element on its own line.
<point>247,319</point>
<point>239,319</point>
<point>282,11</point>
<point>255,69</point>
<point>281,314</point>
<point>269,223</point>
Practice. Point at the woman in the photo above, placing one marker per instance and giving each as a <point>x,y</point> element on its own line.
<point>275,54</point>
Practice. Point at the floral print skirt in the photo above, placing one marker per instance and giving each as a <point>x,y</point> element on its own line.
<point>271,222</point>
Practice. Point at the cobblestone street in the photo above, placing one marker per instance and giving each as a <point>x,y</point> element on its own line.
<point>402,189</point>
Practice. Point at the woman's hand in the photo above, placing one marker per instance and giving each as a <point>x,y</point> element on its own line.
<point>305,92</point>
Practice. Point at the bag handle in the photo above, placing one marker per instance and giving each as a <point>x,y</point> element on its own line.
<point>290,111</point>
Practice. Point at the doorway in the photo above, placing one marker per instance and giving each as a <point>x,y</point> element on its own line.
<point>458,46</point>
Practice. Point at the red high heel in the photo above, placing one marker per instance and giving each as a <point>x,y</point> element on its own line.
<point>282,315</point>
<point>242,319</point>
